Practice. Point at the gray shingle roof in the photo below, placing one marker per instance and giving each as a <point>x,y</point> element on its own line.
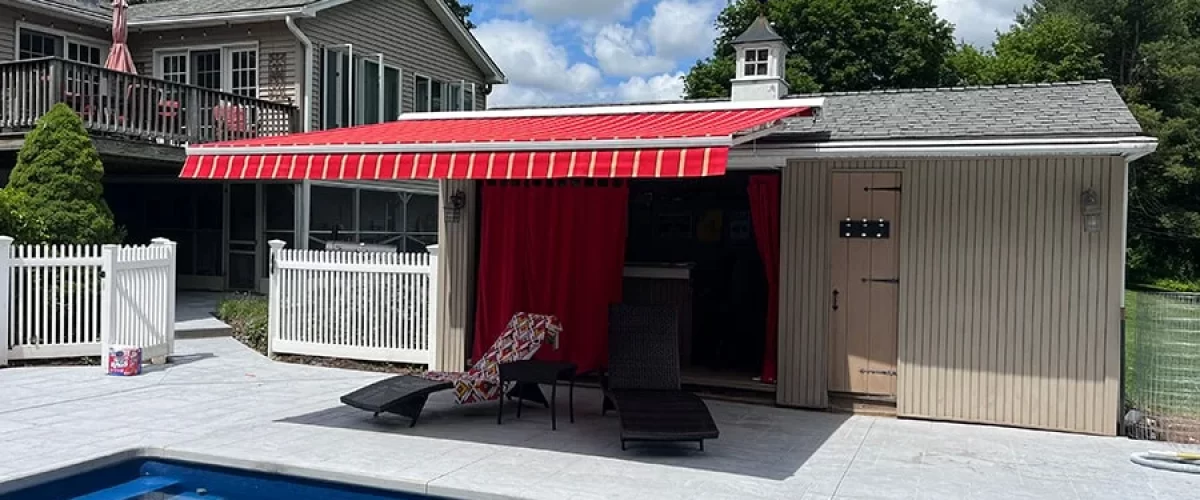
<point>1056,109</point>
<point>178,8</point>
<point>759,31</point>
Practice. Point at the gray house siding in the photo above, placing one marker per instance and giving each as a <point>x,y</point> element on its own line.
<point>417,42</point>
<point>276,82</point>
<point>10,16</point>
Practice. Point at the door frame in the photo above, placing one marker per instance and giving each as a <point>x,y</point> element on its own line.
<point>899,234</point>
<point>227,242</point>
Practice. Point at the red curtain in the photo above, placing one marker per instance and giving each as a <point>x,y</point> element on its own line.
<point>764,212</point>
<point>552,248</point>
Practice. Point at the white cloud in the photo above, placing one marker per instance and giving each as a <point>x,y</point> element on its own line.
<point>667,86</point>
<point>681,28</point>
<point>556,10</point>
<point>976,21</point>
<point>524,51</point>
<point>622,52</point>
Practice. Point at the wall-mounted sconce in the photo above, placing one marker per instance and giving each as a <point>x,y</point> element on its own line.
<point>1089,203</point>
<point>454,206</point>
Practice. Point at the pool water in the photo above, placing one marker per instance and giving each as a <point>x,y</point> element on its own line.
<point>157,479</point>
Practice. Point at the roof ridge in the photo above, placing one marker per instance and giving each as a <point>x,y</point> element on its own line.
<point>962,88</point>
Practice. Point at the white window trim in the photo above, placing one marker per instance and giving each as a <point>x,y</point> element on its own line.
<point>428,94</point>
<point>399,91</point>
<point>226,62</point>
<point>67,36</point>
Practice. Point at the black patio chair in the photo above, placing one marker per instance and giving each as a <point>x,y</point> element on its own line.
<point>643,382</point>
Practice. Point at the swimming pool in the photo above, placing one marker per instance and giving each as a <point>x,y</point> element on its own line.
<point>142,478</point>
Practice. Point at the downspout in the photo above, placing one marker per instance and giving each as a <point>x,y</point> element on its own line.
<point>306,70</point>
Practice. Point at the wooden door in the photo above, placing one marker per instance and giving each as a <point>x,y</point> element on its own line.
<point>865,266</point>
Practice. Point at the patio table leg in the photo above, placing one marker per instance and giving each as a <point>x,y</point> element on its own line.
<point>500,405</point>
<point>554,407</point>
<point>571,396</point>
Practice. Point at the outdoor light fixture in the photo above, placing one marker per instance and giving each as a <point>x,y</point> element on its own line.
<point>1089,203</point>
<point>454,206</point>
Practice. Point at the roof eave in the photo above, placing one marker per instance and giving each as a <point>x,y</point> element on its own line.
<point>201,20</point>
<point>80,15</point>
<point>1129,147</point>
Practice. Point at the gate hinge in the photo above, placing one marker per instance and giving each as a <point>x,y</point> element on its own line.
<point>889,188</point>
<point>891,373</point>
<point>893,281</point>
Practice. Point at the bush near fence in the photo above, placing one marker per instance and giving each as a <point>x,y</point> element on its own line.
<point>1162,385</point>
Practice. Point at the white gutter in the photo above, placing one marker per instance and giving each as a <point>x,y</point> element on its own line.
<point>306,70</point>
<point>758,156</point>
<point>466,147</point>
<point>216,19</point>
<point>675,107</point>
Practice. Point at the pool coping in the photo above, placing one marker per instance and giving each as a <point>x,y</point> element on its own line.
<point>67,469</point>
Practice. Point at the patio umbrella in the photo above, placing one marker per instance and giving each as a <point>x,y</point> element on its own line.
<point>119,58</point>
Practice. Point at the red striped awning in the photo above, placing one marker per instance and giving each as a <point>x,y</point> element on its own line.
<point>680,140</point>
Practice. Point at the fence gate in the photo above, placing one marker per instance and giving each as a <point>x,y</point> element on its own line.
<point>367,306</point>
<point>64,301</point>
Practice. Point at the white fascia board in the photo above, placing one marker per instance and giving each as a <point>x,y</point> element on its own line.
<point>777,155</point>
<point>465,147</point>
<point>167,23</point>
<point>675,107</point>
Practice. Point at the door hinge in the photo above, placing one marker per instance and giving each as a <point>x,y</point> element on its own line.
<point>893,281</point>
<point>889,188</point>
<point>890,373</point>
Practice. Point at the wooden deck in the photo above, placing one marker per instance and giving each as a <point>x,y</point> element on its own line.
<point>132,115</point>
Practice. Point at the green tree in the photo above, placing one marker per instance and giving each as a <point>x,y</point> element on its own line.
<point>836,45</point>
<point>1151,51</point>
<point>1059,47</point>
<point>54,192</point>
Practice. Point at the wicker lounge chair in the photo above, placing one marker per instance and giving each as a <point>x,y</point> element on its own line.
<point>406,395</point>
<point>643,382</point>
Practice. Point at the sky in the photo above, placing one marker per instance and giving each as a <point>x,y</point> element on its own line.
<point>589,51</point>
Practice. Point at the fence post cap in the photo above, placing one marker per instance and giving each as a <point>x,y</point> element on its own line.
<point>160,241</point>
<point>277,244</point>
<point>433,250</point>
<point>6,240</point>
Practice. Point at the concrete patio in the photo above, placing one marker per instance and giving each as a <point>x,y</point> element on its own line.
<point>220,399</point>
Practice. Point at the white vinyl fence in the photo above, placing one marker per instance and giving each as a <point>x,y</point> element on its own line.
<point>61,301</point>
<point>367,306</point>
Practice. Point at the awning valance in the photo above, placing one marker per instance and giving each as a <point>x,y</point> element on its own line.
<point>676,140</point>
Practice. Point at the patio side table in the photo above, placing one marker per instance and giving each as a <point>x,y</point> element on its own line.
<point>527,376</point>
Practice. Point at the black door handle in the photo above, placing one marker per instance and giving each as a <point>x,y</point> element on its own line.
<point>835,297</point>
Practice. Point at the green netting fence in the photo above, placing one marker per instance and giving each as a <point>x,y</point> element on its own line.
<point>1162,379</point>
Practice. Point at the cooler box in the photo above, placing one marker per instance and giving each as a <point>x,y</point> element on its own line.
<point>124,361</point>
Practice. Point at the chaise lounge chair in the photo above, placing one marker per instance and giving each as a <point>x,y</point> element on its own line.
<point>406,395</point>
<point>643,382</point>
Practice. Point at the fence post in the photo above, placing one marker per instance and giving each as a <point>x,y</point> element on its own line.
<point>170,326</point>
<point>5,300</point>
<point>274,299</point>
<point>433,301</point>
<point>108,302</point>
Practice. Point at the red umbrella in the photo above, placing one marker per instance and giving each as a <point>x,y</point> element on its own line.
<point>119,58</point>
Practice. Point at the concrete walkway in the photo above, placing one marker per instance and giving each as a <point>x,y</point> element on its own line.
<point>222,400</point>
<point>194,315</point>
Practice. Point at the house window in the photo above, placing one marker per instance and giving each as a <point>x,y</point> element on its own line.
<point>337,84</point>
<point>434,95</point>
<point>371,103</point>
<point>422,102</point>
<point>407,221</point>
<point>232,69</point>
<point>33,44</point>
<point>244,72</point>
<point>756,62</point>
<point>392,96</point>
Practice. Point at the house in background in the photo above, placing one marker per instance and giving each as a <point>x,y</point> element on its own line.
<point>210,71</point>
<point>952,254</point>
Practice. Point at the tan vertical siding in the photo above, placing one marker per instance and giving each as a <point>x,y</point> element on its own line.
<point>456,272</point>
<point>414,40</point>
<point>10,16</point>
<point>1009,312</point>
<point>271,38</point>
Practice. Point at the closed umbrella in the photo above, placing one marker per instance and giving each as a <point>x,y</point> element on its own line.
<point>119,58</point>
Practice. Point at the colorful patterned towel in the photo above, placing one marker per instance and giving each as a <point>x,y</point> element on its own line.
<point>522,338</point>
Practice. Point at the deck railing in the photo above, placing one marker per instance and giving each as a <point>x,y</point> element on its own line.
<point>135,107</point>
